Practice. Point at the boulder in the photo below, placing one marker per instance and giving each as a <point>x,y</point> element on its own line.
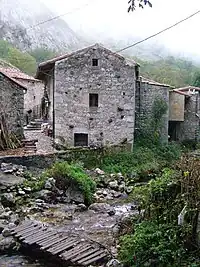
<point>8,199</point>
<point>6,232</point>
<point>6,244</point>
<point>114,185</point>
<point>50,183</point>
<point>74,195</point>
<point>100,207</point>
<point>99,171</point>
<point>44,194</point>
<point>129,189</point>
<point>114,263</point>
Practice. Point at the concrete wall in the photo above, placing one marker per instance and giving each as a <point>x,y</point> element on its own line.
<point>12,105</point>
<point>146,94</point>
<point>33,97</point>
<point>176,106</point>
<point>114,82</point>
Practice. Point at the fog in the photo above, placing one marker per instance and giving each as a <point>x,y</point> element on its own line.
<point>101,19</point>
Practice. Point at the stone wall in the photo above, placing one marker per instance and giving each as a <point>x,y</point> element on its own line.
<point>146,94</point>
<point>33,97</point>
<point>114,82</point>
<point>189,129</point>
<point>12,105</point>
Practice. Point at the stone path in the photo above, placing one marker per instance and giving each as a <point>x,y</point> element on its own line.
<point>44,144</point>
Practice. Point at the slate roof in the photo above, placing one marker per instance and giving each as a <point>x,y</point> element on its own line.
<point>17,74</point>
<point>149,81</point>
<point>50,63</point>
<point>14,80</point>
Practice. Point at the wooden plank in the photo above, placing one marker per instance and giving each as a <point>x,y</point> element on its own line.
<point>25,228</point>
<point>22,226</point>
<point>80,246</point>
<point>91,256</point>
<point>63,247</point>
<point>31,242</point>
<point>55,242</point>
<point>76,252</point>
<point>93,260</point>
<point>27,231</point>
<point>47,240</point>
<point>80,256</point>
<point>32,234</point>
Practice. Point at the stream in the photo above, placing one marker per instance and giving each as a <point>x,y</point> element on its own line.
<point>17,261</point>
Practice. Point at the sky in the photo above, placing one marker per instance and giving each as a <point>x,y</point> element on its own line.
<point>110,19</point>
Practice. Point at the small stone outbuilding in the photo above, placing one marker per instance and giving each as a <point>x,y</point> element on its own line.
<point>35,92</point>
<point>184,116</point>
<point>147,91</point>
<point>12,104</point>
<point>91,97</point>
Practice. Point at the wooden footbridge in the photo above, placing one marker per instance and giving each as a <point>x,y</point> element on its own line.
<point>69,249</point>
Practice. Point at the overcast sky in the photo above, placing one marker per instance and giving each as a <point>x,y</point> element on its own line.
<point>110,18</point>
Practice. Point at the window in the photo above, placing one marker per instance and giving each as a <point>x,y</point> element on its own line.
<point>95,62</point>
<point>93,100</point>
<point>80,139</point>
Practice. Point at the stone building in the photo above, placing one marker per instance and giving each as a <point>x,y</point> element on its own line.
<point>35,91</point>
<point>91,96</point>
<point>12,104</point>
<point>147,92</point>
<point>184,115</point>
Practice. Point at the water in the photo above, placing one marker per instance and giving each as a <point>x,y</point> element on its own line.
<point>17,261</point>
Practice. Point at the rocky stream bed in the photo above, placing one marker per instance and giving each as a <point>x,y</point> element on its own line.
<point>102,221</point>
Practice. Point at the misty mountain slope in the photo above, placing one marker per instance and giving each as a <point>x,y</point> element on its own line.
<point>18,16</point>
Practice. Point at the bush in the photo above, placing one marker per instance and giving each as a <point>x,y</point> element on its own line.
<point>72,175</point>
<point>153,245</point>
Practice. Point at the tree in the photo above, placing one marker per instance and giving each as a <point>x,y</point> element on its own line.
<point>42,54</point>
<point>196,79</point>
<point>141,3</point>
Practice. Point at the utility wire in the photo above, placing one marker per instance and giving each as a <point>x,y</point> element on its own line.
<point>58,16</point>
<point>166,29</point>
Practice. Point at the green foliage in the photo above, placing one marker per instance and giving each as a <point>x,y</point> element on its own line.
<point>145,159</point>
<point>140,3</point>
<point>42,54</point>
<point>35,184</point>
<point>73,176</point>
<point>153,245</point>
<point>176,72</point>
<point>196,79</point>
<point>21,60</point>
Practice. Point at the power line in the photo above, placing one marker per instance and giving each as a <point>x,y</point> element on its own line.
<point>58,16</point>
<point>166,29</point>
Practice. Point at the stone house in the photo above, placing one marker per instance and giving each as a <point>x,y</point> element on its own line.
<point>35,92</point>
<point>147,91</point>
<point>91,96</point>
<point>184,115</point>
<point>12,104</point>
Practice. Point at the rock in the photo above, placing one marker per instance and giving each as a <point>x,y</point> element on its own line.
<point>21,192</point>
<point>27,189</point>
<point>105,193</point>
<point>117,194</point>
<point>100,172</point>
<point>8,199</point>
<point>44,194</point>
<point>50,183</point>
<point>111,212</point>
<point>6,232</point>
<point>114,185</point>
<point>114,263</point>
<point>6,215</point>
<point>11,226</point>
<point>6,244</point>
<point>3,224</point>
<point>122,186</point>
<point>74,195</point>
<point>129,189</point>
<point>100,207</point>
<point>81,207</point>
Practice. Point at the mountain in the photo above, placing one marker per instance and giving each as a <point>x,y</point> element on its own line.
<point>17,18</point>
